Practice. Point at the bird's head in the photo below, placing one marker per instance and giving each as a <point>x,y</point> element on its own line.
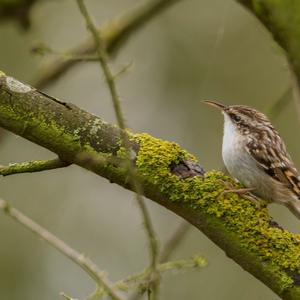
<point>243,118</point>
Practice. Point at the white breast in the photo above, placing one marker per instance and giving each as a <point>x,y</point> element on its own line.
<point>238,161</point>
<point>230,138</point>
<point>232,143</point>
<point>242,166</point>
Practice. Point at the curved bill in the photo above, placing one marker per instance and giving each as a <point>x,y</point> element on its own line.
<point>215,104</point>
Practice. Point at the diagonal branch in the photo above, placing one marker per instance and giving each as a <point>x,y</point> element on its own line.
<point>173,242</point>
<point>236,225</point>
<point>84,262</point>
<point>282,20</point>
<point>115,33</point>
<point>32,166</point>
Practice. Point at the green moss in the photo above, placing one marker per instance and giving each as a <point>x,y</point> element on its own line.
<point>241,216</point>
<point>121,153</point>
<point>51,131</point>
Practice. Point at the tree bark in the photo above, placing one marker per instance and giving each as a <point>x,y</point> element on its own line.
<point>167,172</point>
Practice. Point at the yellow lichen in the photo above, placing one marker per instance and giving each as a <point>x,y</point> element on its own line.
<point>249,223</point>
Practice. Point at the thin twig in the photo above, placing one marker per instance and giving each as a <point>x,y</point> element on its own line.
<point>114,34</point>
<point>32,166</point>
<point>174,241</point>
<point>43,50</point>
<point>137,279</point>
<point>66,297</point>
<point>102,54</point>
<point>82,261</point>
<point>281,103</point>
<point>102,57</point>
<point>167,250</point>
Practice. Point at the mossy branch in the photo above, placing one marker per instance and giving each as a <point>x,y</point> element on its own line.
<point>32,166</point>
<point>236,225</point>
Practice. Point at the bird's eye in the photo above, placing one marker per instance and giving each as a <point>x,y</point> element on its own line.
<point>236,118</point>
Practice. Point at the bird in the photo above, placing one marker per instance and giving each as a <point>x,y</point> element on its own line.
<point>255,154</point>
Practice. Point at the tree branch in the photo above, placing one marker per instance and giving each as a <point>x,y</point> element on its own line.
<point>235,224</point>
<point>84,262</point>
<point>32,166</point>
<point>136,279</point>
<point>173,242</point>
<point>133,176</point>
<point>140,278</point>
<point>115,33</point>
<point>282,19</point>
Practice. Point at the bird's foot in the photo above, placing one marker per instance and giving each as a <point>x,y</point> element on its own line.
<point>246,194</point>
<point>241,191</point>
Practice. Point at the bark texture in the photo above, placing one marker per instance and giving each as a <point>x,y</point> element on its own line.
<point>171,177</point>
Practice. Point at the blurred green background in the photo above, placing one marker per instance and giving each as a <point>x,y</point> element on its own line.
<point>197,49</point>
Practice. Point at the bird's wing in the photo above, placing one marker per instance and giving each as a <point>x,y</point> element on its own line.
<point>271,156</point>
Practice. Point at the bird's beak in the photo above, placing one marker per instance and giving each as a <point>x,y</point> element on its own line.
<point>216,104</point>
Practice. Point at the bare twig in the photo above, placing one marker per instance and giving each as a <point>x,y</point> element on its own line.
<point>66,297</point>
<point>197,261</point>
<point>138,278</point>
<point>43,49</point>
<point>292,93</point>
<point>102,57</point>
<point>281,103</point>
<point>102,54</point>
<point>167,250</point>
<point>174,241</point>
<point>32,166</point>
<point>84,262</point>
<point>114,33</point>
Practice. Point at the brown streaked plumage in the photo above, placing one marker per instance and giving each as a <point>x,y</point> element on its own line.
<point>255,154</point>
